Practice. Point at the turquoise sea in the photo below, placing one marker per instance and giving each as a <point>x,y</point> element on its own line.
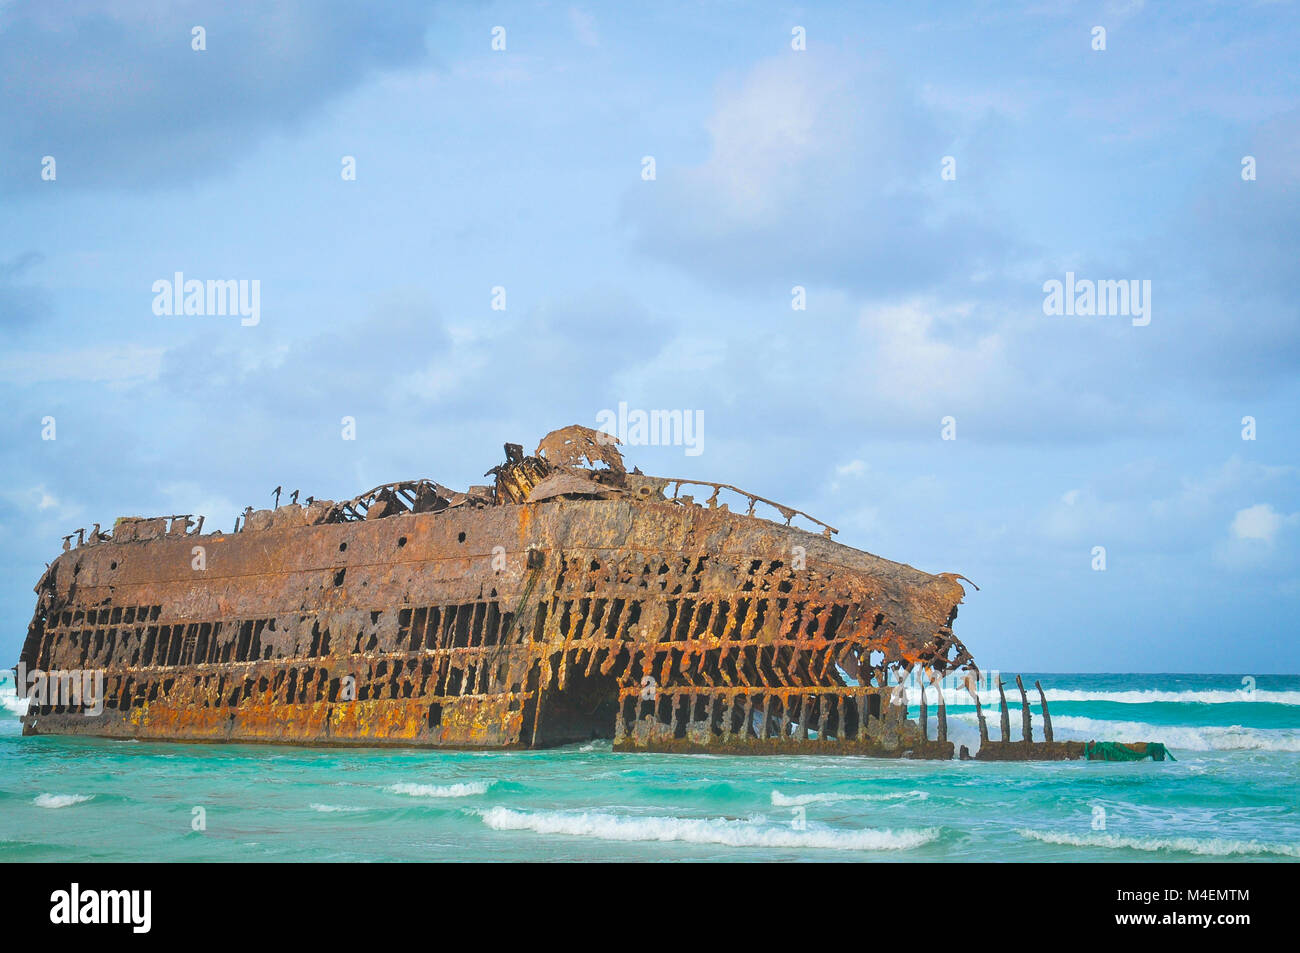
<point>1232,794</point>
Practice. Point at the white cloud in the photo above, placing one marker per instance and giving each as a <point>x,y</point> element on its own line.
<point>1260,522</point>
<point>41,501</point>
<point>1151,506</point>
<point>799,142</point>
<point>1252,538</point>
<point>909,362</point>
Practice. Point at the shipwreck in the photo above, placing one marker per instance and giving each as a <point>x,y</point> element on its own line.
<point>569,599</point>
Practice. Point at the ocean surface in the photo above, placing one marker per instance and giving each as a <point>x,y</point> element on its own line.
<point>1232,794</point>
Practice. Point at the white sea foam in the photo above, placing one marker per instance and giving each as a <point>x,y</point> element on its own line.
<point>1210,697</point>
<point>730,833</point>
<point>61,800</point>
<point>9,700</point>
<point>1186,737</point>
<point>334,808</point>
<point>832,797</point>
<point>462,789</point>
<point>989,697</point>
<point>1215,847</point>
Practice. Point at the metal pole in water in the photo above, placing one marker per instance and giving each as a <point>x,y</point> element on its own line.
<point>1047,719</point>
<point>1026,721</point>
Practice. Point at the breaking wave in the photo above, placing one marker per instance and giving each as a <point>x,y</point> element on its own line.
<point>959,697</point>
<point>1209,697</point>
<point>61,800</point>
<point>9,700</point>
<point>463,789</point>
<point>730,833</point>
<point>1184,737</point>
<point>1214,847</point>
<point>797,800</point>
<point>1190,738</point>
<point>334,808</point>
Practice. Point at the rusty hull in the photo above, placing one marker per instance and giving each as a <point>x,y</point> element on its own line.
<point>570,599</point>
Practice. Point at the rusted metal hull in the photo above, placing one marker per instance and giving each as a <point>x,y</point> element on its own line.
<point>416,616</point>
<point>1035,751</point>
<point>451,643</point>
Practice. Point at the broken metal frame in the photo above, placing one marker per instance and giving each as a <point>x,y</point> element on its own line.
<point>1026,749</point>
<point>788,512</point>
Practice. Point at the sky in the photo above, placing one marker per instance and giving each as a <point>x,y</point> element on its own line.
<point>826,230</point>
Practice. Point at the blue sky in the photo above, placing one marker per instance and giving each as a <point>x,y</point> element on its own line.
<point>774,168</point>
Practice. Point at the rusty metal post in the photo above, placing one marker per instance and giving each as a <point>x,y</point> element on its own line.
<point>979,715</point>
<point>1006,716</point>
<point>924,717</point>
<point>1026,721</point>
<point>942,734</point>
<point>1047,719</point>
